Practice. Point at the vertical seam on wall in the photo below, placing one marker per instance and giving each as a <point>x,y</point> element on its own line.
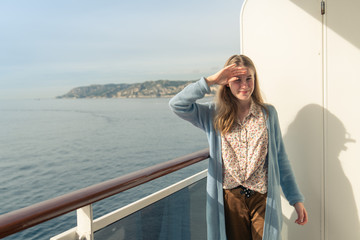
<point>325,121</point>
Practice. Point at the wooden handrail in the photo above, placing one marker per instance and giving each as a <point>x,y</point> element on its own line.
<point>30,216</point>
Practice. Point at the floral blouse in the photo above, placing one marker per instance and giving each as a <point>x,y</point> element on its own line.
<point>244,151</point>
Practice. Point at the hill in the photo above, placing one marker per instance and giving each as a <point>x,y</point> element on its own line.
<point>149,89</point>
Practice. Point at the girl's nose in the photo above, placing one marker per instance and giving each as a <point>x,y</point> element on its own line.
<point>243,84</point>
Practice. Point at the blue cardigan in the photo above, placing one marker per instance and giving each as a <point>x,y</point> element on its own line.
<point>279,169</point>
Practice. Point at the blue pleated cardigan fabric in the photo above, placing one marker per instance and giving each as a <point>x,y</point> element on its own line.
<point>279,169</point>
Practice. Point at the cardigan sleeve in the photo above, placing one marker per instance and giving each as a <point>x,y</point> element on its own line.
<point>287,177</point>
<point>184,104</point>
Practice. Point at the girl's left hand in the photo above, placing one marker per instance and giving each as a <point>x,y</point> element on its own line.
<point>302,214</point>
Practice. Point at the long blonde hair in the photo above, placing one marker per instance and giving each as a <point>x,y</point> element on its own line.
<point>226,103</point>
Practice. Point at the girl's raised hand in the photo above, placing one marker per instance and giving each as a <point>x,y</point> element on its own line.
<point>226,74</point>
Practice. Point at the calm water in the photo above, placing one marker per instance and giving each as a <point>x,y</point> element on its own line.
<point>52,147</point>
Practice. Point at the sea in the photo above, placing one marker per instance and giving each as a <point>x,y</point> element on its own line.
<point>50,147</point>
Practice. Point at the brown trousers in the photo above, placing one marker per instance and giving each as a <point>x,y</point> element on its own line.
<point>244,217</point>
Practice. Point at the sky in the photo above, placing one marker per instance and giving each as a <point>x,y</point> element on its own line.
<point>49,47</point>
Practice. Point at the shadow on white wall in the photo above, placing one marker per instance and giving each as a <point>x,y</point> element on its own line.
<point>304,144</point>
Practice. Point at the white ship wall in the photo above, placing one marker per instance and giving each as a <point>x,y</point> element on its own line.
<point>309,68</point>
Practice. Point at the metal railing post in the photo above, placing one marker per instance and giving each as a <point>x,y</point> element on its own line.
<point>85,223</point>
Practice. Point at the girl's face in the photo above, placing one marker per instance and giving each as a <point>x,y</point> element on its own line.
<point>242,86</point>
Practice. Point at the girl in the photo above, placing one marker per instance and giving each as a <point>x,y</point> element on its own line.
<point>248,163</point>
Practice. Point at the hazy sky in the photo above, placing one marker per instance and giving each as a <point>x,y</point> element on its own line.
<point>48,47</point>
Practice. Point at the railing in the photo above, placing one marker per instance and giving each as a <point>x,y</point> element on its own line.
<point>27,217</point>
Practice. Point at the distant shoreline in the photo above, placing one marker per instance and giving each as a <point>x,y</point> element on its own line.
<point>148,89</point>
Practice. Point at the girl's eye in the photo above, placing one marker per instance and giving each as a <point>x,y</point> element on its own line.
<point>248,79</point>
